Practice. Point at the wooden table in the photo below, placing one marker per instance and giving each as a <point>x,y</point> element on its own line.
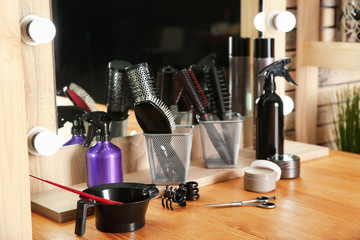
<point>322,204</point>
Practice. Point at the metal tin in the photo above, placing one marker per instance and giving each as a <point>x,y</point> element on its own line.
<point>289,164</point>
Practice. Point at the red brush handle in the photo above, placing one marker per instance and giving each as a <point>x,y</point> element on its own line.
<point>87,195</point>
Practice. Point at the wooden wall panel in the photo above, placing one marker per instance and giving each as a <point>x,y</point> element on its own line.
<point>15,213</point>
<point>306,110</point>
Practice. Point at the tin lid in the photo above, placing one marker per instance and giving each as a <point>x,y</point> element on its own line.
<point>268,165</point>
<point>286,161</point>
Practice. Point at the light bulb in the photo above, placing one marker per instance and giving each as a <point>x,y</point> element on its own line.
<point>281,21</point>
<point>288,104</point>
<point>36,30</point>
<point>259,21</point>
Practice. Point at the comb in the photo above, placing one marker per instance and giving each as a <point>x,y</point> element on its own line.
<point>220,92</point>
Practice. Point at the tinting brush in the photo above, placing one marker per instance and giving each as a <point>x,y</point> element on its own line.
<point>118,97</point>
<point>151,113</point>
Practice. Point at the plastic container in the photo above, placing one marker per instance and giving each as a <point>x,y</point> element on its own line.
<point>169,155</point>
<point>219,136</point>
<point>261,176</point>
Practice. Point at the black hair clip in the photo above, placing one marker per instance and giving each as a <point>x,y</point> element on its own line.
<point>192,190</point>
<point>178,195</point>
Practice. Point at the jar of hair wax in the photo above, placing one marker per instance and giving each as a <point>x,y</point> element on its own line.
<point>261,176</point>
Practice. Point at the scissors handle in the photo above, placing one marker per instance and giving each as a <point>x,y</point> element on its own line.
<point>260,199</point>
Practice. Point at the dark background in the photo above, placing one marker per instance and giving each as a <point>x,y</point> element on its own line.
<point>92,33</point>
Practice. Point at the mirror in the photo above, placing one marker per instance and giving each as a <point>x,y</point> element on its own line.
<point>178,33</point>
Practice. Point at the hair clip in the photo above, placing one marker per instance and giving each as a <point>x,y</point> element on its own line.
<point>192,190</point>
<point>178,195</point>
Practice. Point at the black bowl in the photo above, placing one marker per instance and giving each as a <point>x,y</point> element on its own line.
<point>117,218</point>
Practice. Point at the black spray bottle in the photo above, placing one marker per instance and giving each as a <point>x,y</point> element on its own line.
<point>72,114</point>
<point>269,112</point>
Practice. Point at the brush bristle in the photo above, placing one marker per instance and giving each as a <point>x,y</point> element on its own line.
<point>84,96</point>
<point>165,109</point>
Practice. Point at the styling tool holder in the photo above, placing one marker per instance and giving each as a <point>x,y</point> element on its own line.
<point>199,101</point>
<point>228,132</point>
<point>169,155</point>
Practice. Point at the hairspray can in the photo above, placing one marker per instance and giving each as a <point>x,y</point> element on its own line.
<point>263,56</point>
<point>240,75</point>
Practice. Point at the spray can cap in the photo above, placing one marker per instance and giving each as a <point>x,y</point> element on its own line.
<point>98,126</point>
<point>71,114</point>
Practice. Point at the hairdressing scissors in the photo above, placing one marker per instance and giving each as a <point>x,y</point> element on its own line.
<point>262,202</point>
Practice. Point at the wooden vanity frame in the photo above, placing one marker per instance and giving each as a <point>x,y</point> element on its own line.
<point>27,100</point>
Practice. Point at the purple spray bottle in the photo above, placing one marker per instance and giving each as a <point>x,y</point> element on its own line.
<point>104,159</point>
<point>72,114</point>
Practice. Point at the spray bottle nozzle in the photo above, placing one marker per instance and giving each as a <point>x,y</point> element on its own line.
<point>98,126</point>
<point>71,114</point>
<point>278,68</point>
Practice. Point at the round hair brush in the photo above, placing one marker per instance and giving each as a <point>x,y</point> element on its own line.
<point>118,97</point>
